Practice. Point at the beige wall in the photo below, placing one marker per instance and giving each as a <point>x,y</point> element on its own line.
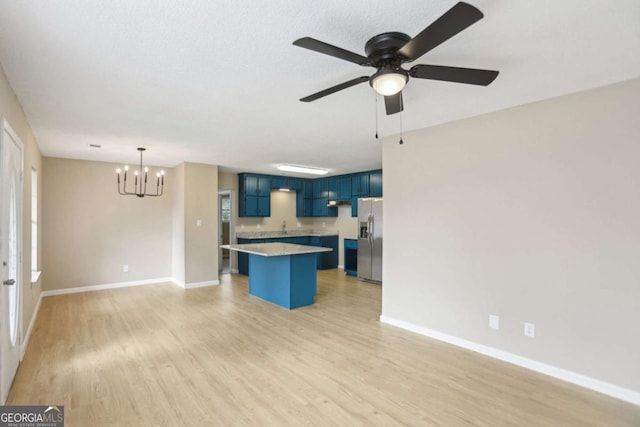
<point>90,231</point>
<point>201,242</point>
<point>11,110</point>
<point>532,214</point>
<point>178,224</point>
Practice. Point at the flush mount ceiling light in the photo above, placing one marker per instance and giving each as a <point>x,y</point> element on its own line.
<point>302,169</point>
<point>389,81</point>
<point>140,183</point>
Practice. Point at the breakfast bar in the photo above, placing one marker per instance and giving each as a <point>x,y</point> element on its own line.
<point>282,273</point>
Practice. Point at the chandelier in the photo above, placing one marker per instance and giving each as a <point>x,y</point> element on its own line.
<point>140,181</point>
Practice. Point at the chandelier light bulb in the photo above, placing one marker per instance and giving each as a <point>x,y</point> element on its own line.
<point>126,167</point>
<point>118,170</point>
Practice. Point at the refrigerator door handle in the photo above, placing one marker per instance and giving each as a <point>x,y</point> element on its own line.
<point>371,229</point>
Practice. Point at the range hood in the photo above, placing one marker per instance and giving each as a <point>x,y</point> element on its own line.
<point>333,203</point>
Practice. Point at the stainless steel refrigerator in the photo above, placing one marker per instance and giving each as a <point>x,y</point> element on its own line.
<point>370,239</point>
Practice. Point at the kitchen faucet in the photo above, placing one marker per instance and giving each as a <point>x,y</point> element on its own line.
<point>284,224</point>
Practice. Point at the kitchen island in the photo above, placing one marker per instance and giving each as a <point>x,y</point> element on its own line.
<point>281,273</point>
<point>323,238</point>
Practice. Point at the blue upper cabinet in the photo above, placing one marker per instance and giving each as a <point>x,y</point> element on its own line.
<point>365,184</point>
<point>340,188</point>
<point>312,195</point>
<point>256,185</point>
<point>321,188</point>
<point>360,185</point>
<point>333,188</point>
<point>255,195</point>
<point>304,206</point>
<point>321,199</point>
<point>375,184</point>
<point>285,182</point>
<point>304,199</point>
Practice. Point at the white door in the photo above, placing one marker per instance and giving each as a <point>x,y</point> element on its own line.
<point>10,256</point>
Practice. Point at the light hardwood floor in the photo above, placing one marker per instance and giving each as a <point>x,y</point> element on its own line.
<point>160,355</point>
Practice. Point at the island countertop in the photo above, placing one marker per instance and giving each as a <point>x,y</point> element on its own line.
<point>275,249</point>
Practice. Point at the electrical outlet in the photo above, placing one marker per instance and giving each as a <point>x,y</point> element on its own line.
<point>198,223</point>
<point>125,268</point>
<point>494,321</point>
<point>258,226</point>
<point>529,330</point>
<point>299,224</point>
<point>324,224</point>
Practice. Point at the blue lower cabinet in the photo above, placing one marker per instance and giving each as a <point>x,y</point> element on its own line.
<point>243,257</point>
<point>295,240</point>
<point>326,260</point>
<point>351,257</point>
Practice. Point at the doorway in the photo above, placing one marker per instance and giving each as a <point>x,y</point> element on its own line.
<point>11,151</point>
<point>225,227</point>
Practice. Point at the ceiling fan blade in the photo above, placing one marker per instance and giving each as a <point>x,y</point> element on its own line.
<point>393,103</point>
<point>327,49</point>
<point>471,76</point>
<point>456,19</point>
<point>335,88</point>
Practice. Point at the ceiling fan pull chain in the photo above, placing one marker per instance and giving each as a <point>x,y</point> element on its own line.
<point>375,94</point>
<point>401,141</point>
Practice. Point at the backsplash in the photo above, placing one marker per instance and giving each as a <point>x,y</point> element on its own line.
<point>290,233</point>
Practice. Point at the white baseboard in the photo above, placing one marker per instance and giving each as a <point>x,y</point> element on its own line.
<point>27,335</point>
<point>235,271</point>
<point>612,390</point>
<point>341,267</point>
<point>107,286</point>
<point>196,284</point>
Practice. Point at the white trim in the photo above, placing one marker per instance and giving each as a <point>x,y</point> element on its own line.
<point>5,126</point>
<point>612,390</point>
<point>27,335</point>
<point>107,286</point>
<point>197,284</point>
<point>35,276</point>
<point>341,267</point>
<point>235,271</point>
<point>232,227</point>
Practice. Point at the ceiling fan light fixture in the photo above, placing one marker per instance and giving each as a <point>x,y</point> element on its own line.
<point>302,169</point>
<point>389,82</point>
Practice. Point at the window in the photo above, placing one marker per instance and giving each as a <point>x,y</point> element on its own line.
<point>226,209</point>
<point>34,225</point>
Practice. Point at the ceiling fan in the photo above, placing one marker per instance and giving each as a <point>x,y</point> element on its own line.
<point>388,51</point>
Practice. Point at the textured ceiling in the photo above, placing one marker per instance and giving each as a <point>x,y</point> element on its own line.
<point>219,81</point>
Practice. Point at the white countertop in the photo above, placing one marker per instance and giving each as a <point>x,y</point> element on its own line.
<point>275,249</point>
